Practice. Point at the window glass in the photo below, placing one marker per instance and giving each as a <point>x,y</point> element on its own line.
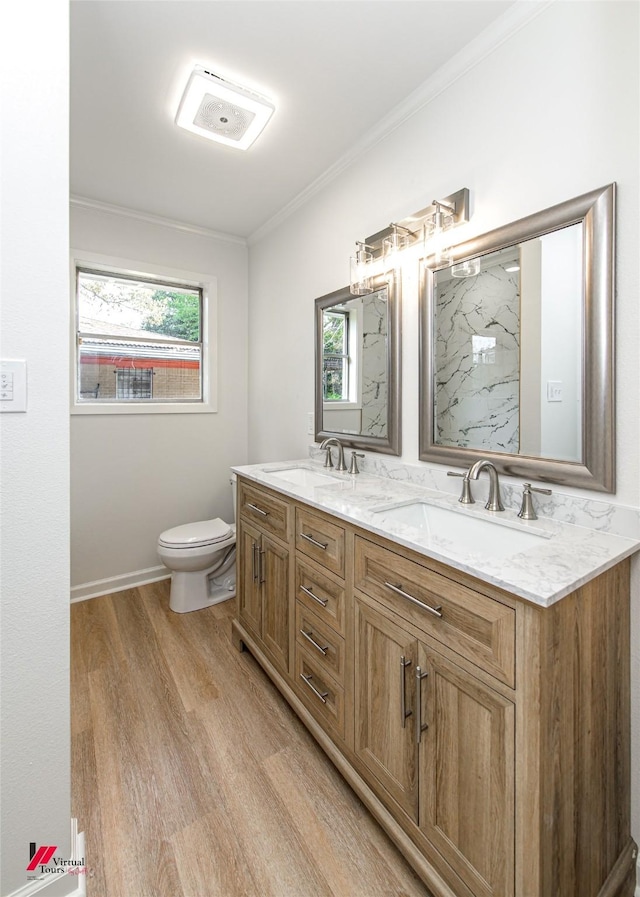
<point>335,366</point>
<point>138,340</point>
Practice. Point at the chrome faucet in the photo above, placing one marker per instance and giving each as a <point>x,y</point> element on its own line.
<point>326,446</point>
<point>495,502</point>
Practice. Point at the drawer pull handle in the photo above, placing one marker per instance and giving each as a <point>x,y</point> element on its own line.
<point>257,509</point>
<point>308,636</point>
<point>323,545</point>
<point>436,611</point>
<point>420,726</point>
<point>308,592</point>
<point>404,713</point>
<point>318,694</point>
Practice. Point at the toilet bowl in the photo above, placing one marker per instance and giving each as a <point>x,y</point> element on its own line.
<point>202,560</point>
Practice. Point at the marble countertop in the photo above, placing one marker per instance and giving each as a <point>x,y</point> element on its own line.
<point>564,557</point>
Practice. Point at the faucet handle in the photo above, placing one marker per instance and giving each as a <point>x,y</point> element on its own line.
<point>353,467</point>
<point>466,498</point>
<point>527,510</point>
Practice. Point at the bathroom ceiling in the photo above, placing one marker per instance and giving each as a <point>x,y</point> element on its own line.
<point>335,69</point>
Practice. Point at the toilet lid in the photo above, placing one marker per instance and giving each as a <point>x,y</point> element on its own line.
<point>195,535</point>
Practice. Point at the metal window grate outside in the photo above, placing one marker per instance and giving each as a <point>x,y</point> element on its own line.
<point>134,383</point>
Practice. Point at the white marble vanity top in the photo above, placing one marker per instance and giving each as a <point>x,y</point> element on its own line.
<point>558,558</point>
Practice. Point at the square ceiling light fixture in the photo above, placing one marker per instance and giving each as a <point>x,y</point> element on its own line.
<point>221,110</point>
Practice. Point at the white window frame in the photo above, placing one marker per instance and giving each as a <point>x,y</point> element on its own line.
<point>209,363</point>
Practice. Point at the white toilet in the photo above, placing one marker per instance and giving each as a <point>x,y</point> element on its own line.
<point>202,560</point>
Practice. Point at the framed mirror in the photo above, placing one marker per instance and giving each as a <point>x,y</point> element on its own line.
<point>517,348</point>
<point>357,367</point>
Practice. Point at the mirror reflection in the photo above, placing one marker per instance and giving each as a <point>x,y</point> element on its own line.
<point>517,348</point>
<point>357,368</point>
<point>508,349</point>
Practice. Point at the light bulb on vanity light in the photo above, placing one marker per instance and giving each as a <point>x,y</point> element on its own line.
<point>361,274</point>
<point>393,245</point>
<point>435,233</point>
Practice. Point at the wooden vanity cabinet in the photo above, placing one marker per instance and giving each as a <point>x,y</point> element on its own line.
<point>263,571</point>
<point>437,739</point>
<point>488,735</point>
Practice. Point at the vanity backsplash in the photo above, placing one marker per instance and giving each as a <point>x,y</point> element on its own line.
<point>595,514</point>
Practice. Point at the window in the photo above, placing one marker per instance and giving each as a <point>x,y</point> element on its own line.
<point>143,341</point>
<point>335,359</point>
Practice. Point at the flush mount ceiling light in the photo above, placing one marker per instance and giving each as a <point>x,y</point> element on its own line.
<point>221,110</point>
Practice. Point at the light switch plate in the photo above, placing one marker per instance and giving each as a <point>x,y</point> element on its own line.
<point>554,390</point>
<point>13,385</point>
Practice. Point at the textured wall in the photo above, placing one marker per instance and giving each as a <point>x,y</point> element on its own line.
<point>35,445</point>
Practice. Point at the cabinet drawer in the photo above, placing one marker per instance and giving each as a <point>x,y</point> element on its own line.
<point>320,593</point>
<point>321,540</point>
<point>320,640</point>
<point>475,626</point>
<point>319,692</point>
<point>268,512</point>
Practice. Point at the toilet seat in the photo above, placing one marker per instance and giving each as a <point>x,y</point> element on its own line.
<point>196,535</point>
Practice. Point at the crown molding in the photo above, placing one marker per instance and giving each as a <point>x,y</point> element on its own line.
<point>510,22</point>
<point>83,202</point>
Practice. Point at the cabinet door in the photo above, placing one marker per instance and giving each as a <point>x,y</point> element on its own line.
<point>467,776</point>
<point>249,592</point>
<point>274,576</point>
<point>385,662</point>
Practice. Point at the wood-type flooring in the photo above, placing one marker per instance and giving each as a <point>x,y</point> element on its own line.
<point>191,777</point>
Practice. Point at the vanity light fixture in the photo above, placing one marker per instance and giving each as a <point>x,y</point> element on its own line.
<point>435,228</point>
<point>394,244</point>
<point>428,225</point>
<point>470,268</point>
<point>361,279</point>
<point>221,110</point>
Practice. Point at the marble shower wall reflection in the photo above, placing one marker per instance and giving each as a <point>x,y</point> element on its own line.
<point>477,346</point>
<point>375,380</point>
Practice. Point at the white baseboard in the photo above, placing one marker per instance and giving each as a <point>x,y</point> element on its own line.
<point>53,886</point>
<point>118,583</point>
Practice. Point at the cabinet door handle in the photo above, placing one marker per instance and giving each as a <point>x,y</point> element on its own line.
<point>254,565</point>
<point>261,555</point>
<point>420,727</point>
<point>308,592</point>
<point>309,538</point>
<point>436,611</point>
<point>257,509</point>
<point>318,694</point>
<point>404,713</point>
<point>309,638</point>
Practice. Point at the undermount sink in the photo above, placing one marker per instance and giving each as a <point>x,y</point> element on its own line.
<point>303,476</point>
<point>489,537</point>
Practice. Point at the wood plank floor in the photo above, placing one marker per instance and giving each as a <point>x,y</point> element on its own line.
<point>193,778</point>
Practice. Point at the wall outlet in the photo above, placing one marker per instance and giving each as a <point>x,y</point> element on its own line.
<point>310,424</point>
<point>554,390</point>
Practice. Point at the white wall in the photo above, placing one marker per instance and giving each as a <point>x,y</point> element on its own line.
<point>551,113</point>
<point>133,476</point>
<point>35,446</point>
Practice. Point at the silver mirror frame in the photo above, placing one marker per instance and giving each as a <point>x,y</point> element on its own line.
<point>391,444</point>
<point>596,211</point>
